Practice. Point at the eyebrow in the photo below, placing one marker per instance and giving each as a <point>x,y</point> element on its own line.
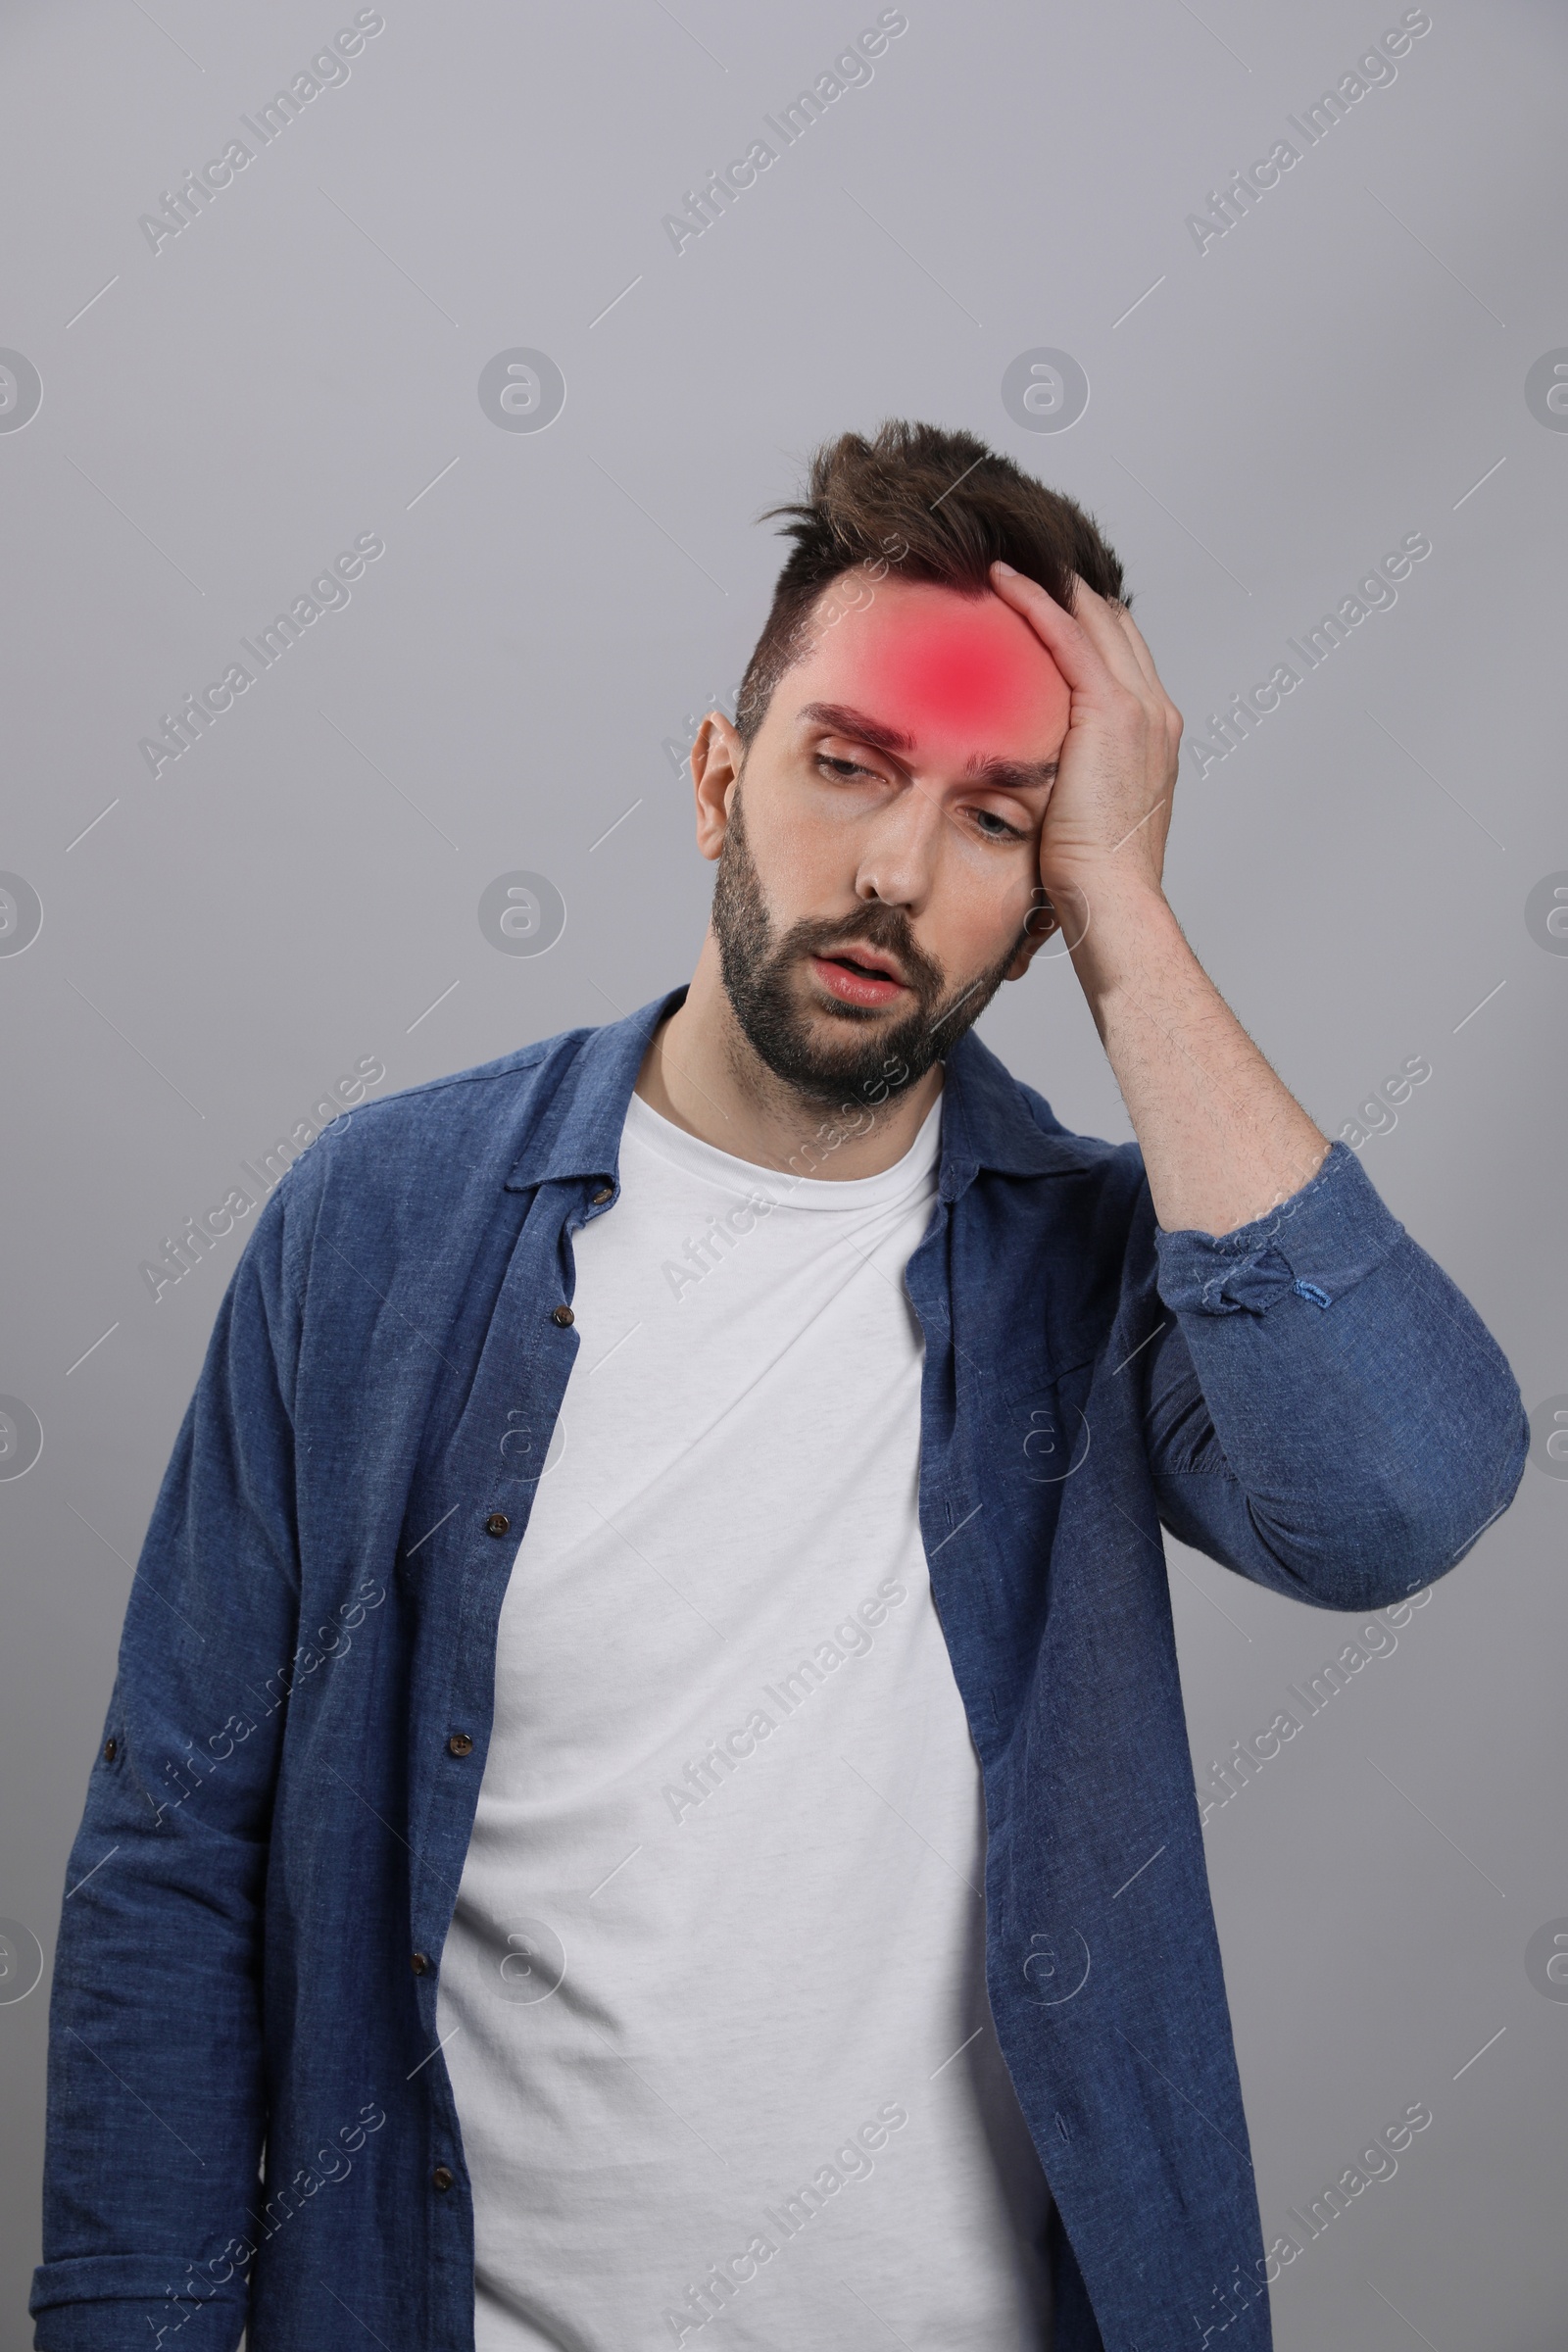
<point>1002,775</point>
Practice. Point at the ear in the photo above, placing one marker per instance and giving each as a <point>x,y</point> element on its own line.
<point>1039,927</point>
<point>716,763</point>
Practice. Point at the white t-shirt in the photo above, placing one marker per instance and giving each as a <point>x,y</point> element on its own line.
<point>714,1999</point>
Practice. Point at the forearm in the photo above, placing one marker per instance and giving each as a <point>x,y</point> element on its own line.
<point>1223,1140</point>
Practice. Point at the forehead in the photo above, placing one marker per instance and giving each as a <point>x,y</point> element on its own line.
<point>949,669</point>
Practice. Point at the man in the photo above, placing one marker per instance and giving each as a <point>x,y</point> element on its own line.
<point>770,1896</point>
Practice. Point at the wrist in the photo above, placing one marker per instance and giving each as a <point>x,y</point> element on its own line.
<point>1087,898</point>
<point>1122,934</point>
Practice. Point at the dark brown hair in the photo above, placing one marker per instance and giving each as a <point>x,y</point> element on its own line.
<point>930,506</point>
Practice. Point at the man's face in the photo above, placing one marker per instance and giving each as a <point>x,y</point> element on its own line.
<point>876,891</point>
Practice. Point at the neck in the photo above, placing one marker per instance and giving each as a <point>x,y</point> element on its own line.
<point>702,1073</point>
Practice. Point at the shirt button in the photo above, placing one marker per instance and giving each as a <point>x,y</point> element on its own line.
<point>111,1750</point>
<point>562,1315</point>
<point>608,1194</point>
<point>443,2175</point>
<point>419,1963</point>
<point>461,1745</point>
<point>497,1524</point>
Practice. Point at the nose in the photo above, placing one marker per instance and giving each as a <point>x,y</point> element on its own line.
<point>899,854</point>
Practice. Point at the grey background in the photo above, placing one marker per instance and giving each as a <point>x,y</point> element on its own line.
<point>301,889</point>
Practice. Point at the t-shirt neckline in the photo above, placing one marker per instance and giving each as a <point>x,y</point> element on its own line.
<point>653,1132</point>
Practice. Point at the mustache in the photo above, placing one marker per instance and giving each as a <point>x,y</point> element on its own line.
<point>877,926</point>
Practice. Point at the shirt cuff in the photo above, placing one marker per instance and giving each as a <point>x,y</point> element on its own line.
<point>1314,1247</point>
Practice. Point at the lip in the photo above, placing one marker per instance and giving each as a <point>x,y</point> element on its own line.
<point>877,982</point>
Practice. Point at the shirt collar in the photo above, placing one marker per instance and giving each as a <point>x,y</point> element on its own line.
<point>989,1120</point>
<point>577,1130</point>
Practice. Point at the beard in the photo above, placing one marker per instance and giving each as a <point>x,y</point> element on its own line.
<point>873,1053</point>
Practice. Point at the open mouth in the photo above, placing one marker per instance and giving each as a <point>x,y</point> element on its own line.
<point>859,976</point>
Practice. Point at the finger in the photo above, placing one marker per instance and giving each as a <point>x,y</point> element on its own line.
<point>1065,639</point>
<point>1160,700</point>
<point>1139,651</point>
<point>1104,623</point>
<point>1140,645</point>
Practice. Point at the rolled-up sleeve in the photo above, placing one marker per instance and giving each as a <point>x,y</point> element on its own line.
<point>1326,1412</point>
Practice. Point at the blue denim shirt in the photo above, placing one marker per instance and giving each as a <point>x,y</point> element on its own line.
<point>276,1821</point>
